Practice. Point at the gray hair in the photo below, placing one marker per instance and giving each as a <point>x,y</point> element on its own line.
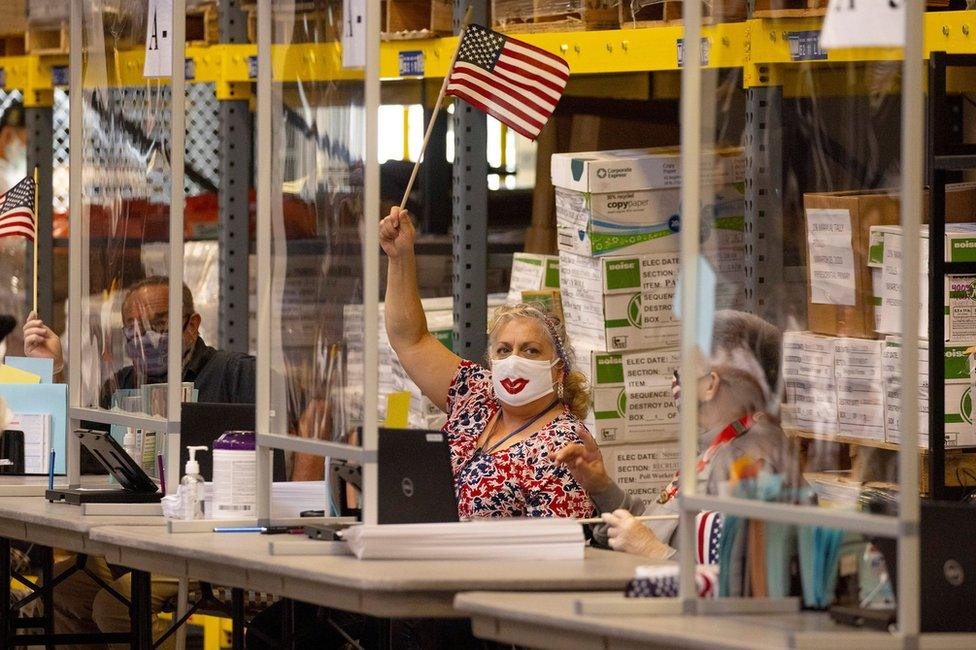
<point>746,353</point>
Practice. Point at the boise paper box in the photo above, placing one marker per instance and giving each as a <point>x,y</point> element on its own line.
<point>532,272</point>
<point>632,399</point>
<point>860,391</point>
<point>625,302</point>
<point>643,470</point>
<point>958,420</point>
<point>840,298</point>
<point>634,170</point>
<point>959,294</point>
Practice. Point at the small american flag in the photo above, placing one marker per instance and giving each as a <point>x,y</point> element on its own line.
<point>514,82</point>
<point>17,210</point>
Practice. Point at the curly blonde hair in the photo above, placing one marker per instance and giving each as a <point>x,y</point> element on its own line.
<point>575,392</point>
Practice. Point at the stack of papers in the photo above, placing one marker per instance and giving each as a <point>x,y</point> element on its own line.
<point>288,499</point>
<point>509,539</point>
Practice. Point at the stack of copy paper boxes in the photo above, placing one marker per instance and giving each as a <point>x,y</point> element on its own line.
<point>618,215</point>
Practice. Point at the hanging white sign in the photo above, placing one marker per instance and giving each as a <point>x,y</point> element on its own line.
<point>159,39</point>
<point>353,33</point>
<point>864,23</point>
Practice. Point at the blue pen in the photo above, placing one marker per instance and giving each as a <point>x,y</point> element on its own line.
<point>241,529</point>
<point>50,472</point>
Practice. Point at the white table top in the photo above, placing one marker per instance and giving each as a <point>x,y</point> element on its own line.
<point>60,525</point>
<point>547,620</point>
<point>378,587</point>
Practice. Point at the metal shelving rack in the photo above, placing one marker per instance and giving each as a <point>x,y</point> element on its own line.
<point>943,156</point>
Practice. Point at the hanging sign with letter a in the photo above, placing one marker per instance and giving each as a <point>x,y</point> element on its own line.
<point>159,39</point>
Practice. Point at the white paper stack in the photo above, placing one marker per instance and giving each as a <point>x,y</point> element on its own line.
<point>508,539</point>
<point>288,498</point>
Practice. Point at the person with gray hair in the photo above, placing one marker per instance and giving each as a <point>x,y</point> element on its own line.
<point>737,388</point>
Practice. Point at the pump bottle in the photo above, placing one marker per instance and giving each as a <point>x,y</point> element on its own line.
<point>192,486</point>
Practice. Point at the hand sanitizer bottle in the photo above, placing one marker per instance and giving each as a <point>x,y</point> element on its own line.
<point>192,487</point>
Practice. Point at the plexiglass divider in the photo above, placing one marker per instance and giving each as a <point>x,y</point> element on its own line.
<point>89,65</point>
<point>317,148</point>
<point>904,527</point>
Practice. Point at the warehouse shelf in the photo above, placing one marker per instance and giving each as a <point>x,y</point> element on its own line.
<point>757,42</point>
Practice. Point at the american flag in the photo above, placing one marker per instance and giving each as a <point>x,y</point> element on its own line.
<point>17,210</point>
<point>514,82</point>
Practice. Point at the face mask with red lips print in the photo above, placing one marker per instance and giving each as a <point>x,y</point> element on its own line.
<point>519,381</point>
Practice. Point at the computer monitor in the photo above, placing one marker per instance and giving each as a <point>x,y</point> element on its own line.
<point>202,423</point>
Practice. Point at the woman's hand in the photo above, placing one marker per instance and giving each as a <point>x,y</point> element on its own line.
<point>41,342</point>
<point>397,233</point>
<point>585,463</point>
<point>625,533</point>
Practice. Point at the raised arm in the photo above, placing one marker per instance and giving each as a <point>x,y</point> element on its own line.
<point>430,365</point>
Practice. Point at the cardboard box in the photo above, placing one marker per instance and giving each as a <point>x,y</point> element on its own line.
<point>633,170</point>
<point>625,302</point>
<point>809,376</point>
<point>645,221</point>
<point>959,299</point>
<point>13,16</point>
<point>643,470</point>
<point>632,399</point>
<point>959,429</point>
<point>531,272</point>
<point>861,409</point>
<point>839,285</point>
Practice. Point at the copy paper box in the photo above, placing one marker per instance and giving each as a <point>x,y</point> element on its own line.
<point>646,221</point>
<point>958,422</point>
<point>959,304</point>
<point>632,399</point>
<point>631,170</point>
<point>625,302</point>
<point>643,470</point>
<point>809,377</point>
<point>532,272</point>
<point>861,409</point>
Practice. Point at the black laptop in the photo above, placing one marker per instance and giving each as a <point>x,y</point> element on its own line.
<point>416,484</point>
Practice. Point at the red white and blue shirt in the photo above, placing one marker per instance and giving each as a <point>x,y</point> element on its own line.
<point>523,480</point>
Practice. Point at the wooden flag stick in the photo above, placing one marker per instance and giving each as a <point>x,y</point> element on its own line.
<point>437,108</point>
<point>36,234</point>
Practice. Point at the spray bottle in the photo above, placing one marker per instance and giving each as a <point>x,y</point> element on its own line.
<point>192,492</point>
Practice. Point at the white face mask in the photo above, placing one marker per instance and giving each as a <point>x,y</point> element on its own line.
<point>519,381</point>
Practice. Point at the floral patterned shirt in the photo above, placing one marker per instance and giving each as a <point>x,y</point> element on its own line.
<point>520,481</point>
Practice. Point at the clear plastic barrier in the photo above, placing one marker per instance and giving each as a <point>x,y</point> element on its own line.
<point>319,128</point>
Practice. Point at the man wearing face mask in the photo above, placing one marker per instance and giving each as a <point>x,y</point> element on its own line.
<point>13,146</point>
<point>737,389</point>
<point>219,376</point>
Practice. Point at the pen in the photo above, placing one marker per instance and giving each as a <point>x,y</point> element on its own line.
<point>599,520</point>
<point>162,473</point>
<point>50,472</point>
<point>241,529</point>
<point>283,530</point>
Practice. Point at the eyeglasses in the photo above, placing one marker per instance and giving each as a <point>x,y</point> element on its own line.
<point>159,325</point>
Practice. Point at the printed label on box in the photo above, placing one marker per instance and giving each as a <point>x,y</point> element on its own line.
<point>962,307</point>
<point>644,470</point>
<point>831,256</point>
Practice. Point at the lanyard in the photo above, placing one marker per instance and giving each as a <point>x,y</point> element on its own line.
<point>517,431</point>
<point>730,432</point>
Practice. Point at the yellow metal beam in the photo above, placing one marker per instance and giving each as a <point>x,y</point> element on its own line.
<point>766,49</point>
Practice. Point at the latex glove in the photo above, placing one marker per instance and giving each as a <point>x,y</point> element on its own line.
<point>41,342</point>
<point>397,233</point>
<point>585,463</point>
<point>625,533</point>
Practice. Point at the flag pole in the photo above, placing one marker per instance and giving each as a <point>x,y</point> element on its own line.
<point>437,108</point>
<point>36,234</point>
